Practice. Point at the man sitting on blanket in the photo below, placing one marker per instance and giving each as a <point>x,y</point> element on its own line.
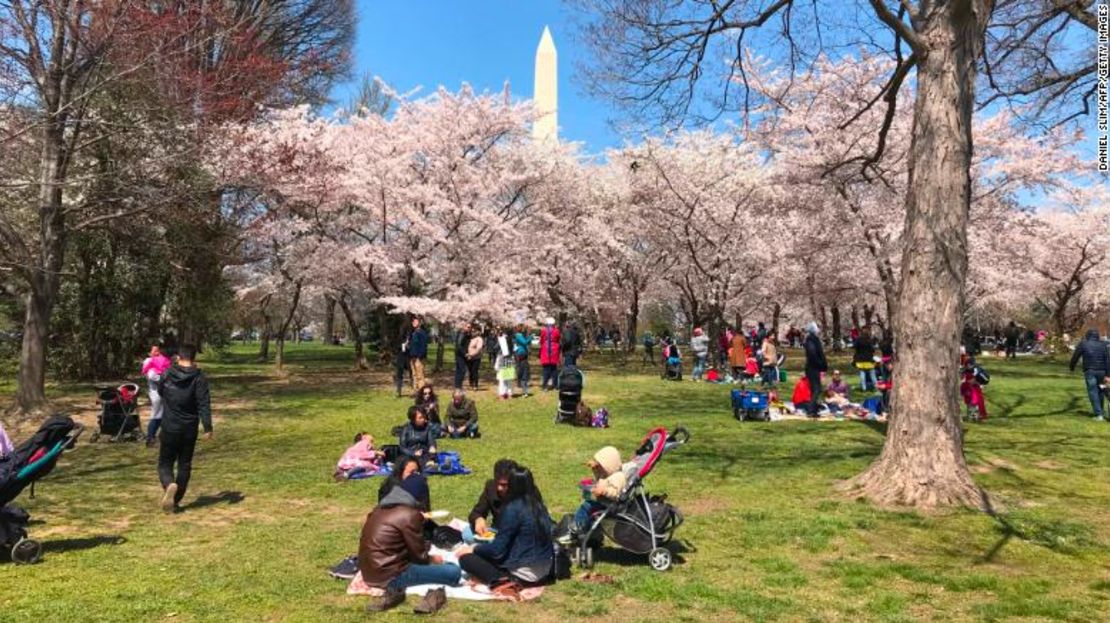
<point>492,499</point>
<point>393,554</point>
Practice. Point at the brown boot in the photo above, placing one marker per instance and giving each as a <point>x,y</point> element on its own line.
<point>391,599</point>
<point>434,601</point>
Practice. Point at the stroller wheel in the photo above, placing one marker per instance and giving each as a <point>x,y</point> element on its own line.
<point>26,551</point>
<point>660,559</point>
<point>94,437</point>
<point>587,557</point>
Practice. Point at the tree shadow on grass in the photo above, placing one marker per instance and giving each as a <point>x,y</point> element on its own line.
<point>58,546</point>
<point>223,497</point>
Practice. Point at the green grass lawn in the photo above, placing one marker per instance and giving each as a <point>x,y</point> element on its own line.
<point>767,537</point>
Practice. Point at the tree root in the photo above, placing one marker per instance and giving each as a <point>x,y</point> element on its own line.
<point>890,486</point>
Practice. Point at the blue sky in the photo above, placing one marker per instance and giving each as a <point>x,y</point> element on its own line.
<point>428,43</point>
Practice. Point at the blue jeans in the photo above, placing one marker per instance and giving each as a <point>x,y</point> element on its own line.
<point>699,365</point>
<point>864,377</point>
<point>467,430</point>
<point>152,428</point>
<point>415,575</point>
<point>1093,392</point>
<point>460,372</point>
<point>550,373</point>
<point>582,517</point>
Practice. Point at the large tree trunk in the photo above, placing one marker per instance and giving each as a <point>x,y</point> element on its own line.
<point>30,394</point>
<point>356,334</point>
<point>441,337</point>
<point>280,361</point>
<point>922,462</point>
<point>632,321</point>
<point>837,343</point>
<point>329,318</point>
<point>776,312</point>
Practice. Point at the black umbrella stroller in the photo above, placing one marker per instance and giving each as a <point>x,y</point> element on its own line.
<point>637,522</point>
<point>30,461</point>
<point>571,382</point>
<point>119,412</point>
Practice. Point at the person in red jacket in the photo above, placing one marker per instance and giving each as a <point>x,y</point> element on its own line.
<point>549,353</point>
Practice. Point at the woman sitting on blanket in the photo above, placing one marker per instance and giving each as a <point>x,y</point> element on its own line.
<point>393,553</point>
<point>418,438</point>
<point>522,551</point>
<point>360,460</point>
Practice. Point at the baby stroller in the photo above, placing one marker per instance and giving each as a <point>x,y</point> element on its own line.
<point>637,522</point>
<point>30,461</point>
<point>119,412</point>
<point>571,382</point>
<point>750,405</point>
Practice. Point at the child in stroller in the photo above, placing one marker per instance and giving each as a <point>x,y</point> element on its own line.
<point>20,469</point>
<point>617,505</point>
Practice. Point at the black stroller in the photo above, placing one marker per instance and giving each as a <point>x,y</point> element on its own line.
<point>119,412</point>
<point>571,382</point>
<point>637,522</point>
<point>30,461</point>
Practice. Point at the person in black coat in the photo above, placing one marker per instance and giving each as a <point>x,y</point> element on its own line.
<point>571,345</point>
<point>815,365</point>
<point>1096,367</point>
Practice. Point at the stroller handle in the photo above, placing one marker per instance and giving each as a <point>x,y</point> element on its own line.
<point>679,435</point>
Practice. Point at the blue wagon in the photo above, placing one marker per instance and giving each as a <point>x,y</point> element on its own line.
<point>750,405</point>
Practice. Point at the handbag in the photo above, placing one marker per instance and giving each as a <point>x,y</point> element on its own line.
<point>506,373</point>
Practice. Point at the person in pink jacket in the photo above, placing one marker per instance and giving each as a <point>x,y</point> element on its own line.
<point>153,368</point>
<point>549,353</point>
<point>360,460</point>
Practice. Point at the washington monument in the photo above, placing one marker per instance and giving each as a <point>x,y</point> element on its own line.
<point>546,95</point>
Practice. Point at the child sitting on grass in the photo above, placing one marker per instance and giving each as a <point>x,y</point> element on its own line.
<point>360,460</point>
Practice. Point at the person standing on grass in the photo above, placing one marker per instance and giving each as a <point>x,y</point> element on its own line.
<point>1096,368</point>
<point>462,342</point>
<point>549,354</point>
<point>815,365</point>
<point>571,344</point>
<point>184,391</point>
<point>474,351</point>
<point>1012,334</point>
<point>418,352</point>
<point>153,368</point>
<point>522,342</point>
<point>401,363</point>
<point>699,343</point>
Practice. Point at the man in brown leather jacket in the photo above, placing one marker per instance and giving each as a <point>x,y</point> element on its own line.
<point>392,552</point>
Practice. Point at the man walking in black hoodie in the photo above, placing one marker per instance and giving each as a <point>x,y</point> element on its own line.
<point>1096,367</point>
<point>184,391</point>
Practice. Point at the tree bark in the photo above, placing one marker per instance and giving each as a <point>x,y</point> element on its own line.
<point>356,334</point>
<point>329,318</point>
<point>280,360</point>
<point>633,321</point>
<point>266,330</point>
<point>836,327</point>
<point>922,463</point>
<point>775,314</point>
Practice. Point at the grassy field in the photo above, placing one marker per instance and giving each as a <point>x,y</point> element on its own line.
<point>767,537</point>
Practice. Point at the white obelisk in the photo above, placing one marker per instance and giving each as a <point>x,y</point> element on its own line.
<point>546,95</point>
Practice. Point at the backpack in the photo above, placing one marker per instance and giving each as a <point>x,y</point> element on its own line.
<point>982,377</point>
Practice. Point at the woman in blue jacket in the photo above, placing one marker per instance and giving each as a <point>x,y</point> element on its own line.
<point>522,552</point>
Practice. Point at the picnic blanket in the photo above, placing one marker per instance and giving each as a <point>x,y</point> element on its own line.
<point>465,590</point>
<point>448,464</point>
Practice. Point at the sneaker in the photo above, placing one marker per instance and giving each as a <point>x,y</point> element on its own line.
<point>390,599</point>
<point>1099,418</point>
<point>433,601</point>
<point>168,502</point>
